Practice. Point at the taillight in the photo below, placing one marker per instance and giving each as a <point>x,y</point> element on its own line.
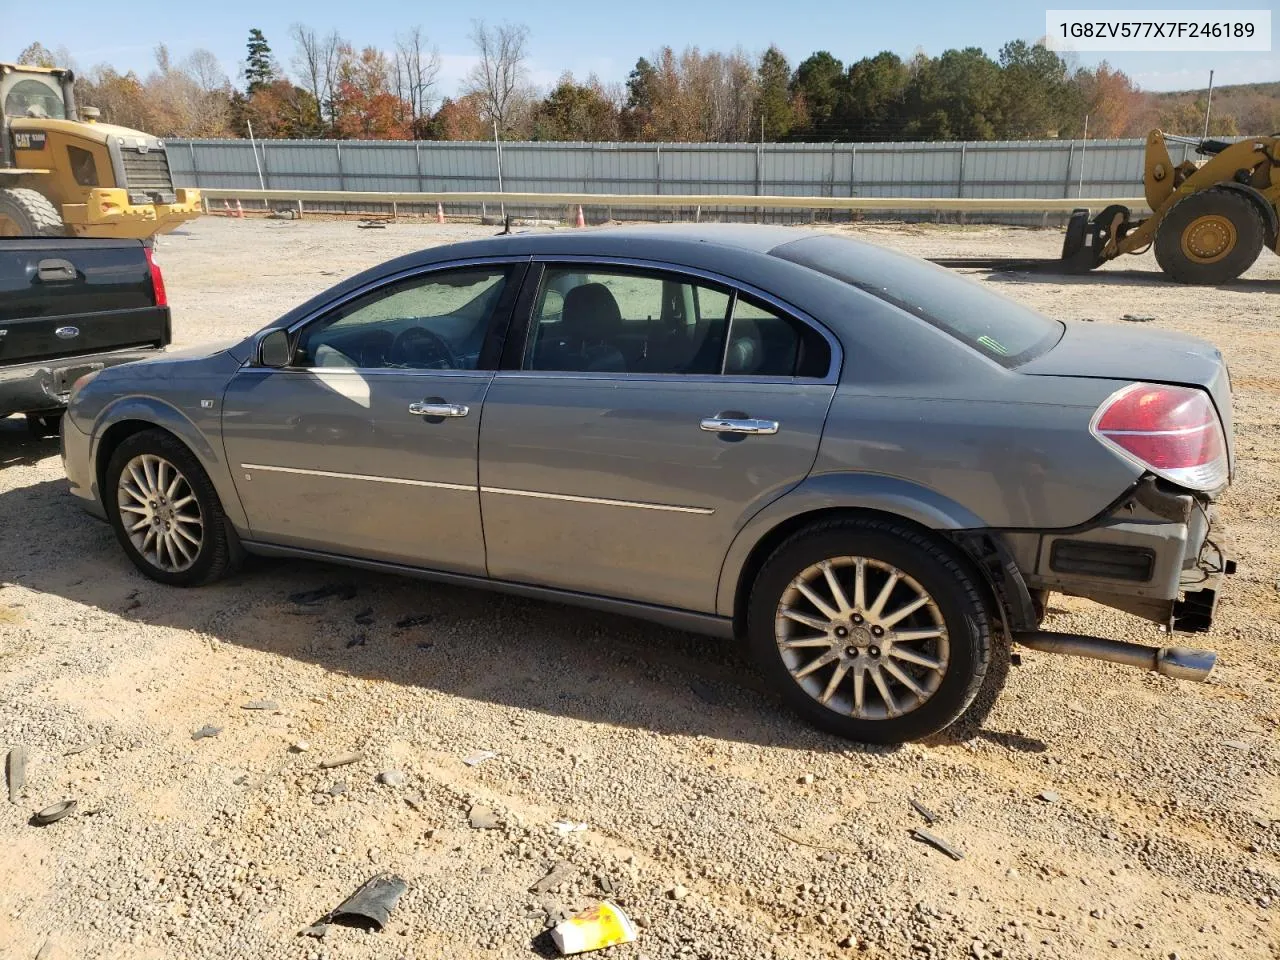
<point>157,279</point>
<point>1172,431</point>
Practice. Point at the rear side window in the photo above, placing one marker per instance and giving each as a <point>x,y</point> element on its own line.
<point>1007,332</point>
<point>765,343</point>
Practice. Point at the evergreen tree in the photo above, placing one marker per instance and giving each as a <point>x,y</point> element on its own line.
<point>773,77</point>
<point>259,65</point>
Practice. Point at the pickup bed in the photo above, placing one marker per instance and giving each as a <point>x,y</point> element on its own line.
<point>67,307</point>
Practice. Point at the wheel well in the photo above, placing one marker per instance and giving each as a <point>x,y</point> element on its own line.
<point>117,434</point>
<point>770,541</point>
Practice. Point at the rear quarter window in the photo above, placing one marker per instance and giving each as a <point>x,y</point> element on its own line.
<point>997,327</point>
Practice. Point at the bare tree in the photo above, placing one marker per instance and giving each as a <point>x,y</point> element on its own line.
<point>317,60</point>
<point>203,67</point>
<point>416,70</point>
<point>499,77</point>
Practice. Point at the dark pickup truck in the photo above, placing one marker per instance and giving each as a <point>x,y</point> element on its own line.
<point>70,306</point>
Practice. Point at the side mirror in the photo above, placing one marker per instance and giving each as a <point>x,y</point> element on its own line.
<point>273,349</point>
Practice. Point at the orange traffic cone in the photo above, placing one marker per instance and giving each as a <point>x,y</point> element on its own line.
<point>239,210</point>
<point>581,221</point>
<point>227,204</point>
<point>439,212</point>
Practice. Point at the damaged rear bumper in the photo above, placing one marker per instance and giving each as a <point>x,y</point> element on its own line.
<point>45,385</point>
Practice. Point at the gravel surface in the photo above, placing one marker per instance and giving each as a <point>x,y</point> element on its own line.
<point>1100,812</point>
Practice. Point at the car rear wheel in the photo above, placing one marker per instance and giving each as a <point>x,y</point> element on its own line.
<point>870,630</point>
<point>165,512</point>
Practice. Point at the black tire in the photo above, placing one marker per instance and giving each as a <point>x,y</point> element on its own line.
<point>936,570</point>
<point>219,552</point>
<point>1077,230</point>
<point>31,213</point>
<point>1229,205</point>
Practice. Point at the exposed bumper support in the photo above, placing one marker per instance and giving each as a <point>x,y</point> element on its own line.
<point>1181,663</point>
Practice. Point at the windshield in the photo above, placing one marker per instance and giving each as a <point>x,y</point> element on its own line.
<point>34,97</point>
<point>1007,332</point>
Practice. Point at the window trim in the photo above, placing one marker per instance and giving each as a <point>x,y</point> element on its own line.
<point>495,336</point>
<point>512,364</point>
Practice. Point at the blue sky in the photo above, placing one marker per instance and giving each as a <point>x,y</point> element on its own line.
<point>588,36</point>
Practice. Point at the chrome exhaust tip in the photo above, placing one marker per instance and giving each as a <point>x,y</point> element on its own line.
<point>1185,663</point>
<point>1180,663</point>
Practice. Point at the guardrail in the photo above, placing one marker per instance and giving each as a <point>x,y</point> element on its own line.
<point>669,200</point>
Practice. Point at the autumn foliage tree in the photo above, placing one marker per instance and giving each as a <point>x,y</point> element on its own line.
<point>364,108</point>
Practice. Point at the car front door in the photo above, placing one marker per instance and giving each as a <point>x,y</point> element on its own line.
<point>648,415</point>
<point>365,444</point>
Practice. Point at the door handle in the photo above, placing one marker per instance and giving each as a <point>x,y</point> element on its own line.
<point>735,425</point>
<point>425,409</point>
<point>51,271</point>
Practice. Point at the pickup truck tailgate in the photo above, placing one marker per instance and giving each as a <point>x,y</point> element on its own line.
<point>63,297</point>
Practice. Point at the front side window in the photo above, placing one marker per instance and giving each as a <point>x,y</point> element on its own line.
<point>626,321</point>
<point>438,321</point>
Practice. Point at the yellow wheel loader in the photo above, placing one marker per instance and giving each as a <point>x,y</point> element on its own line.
<point>62,173</point>
<point>1209,222</point>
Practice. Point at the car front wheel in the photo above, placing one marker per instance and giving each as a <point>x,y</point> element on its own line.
<point>166,513</point>
<point>870,630</point>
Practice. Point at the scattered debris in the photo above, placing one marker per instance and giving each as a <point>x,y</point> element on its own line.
<point>482,818</point>
<point>924,836</point>
<point>341,760</point>
<point>337,788</point>
<point>848,943</point>
<point>1137,318</point>
<point>341,591</point>
<point>704,692</point>
<point>392,778</point>
<point>54,813</point>
<point>929,816</point>
<point>261,705</point>
<point>816,846</point>
<point>806,779</point>
<point>678,892</point>
<point>78,748</point>
<point>566,827</point>
<point>133,604</point>
<point>1048,796</point>
<point>425,645</point>
<point>299,746</point>
<point>600,926</point>
<point>16,771</point>
<point>604,882</point>
<point>369,908</point>
<point>206,731</point>
<point>479,757</point>
<point>562,870</point>
<point>365,617</point>
<point>371,225</point>
<point>359,640</point>
<point>1236,745</point>
<point>418,620</point>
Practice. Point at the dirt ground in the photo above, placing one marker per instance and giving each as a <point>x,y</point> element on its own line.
<point>1101,812</point>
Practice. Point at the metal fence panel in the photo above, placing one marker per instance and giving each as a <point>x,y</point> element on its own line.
<point>1040,169</point>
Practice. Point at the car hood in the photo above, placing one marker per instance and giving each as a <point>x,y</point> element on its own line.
<point>1112,352</point>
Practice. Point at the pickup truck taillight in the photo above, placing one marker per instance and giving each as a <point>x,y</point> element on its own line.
<point>1172,431</point>
<point>157,279</point>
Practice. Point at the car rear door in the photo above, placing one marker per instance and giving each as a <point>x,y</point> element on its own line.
<point>623,445</point>
<point>365,446</point>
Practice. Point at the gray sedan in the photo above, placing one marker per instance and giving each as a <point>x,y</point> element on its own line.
<point>870,470</point>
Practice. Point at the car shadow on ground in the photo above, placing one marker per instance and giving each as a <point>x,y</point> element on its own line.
<point>19,448</point>
<point>514,653</point>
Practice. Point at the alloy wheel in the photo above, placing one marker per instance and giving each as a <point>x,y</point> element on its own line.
<point>862,637</point>
<point>160,513</point>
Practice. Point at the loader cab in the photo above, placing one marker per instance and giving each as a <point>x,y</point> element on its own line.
<point>36,93</point>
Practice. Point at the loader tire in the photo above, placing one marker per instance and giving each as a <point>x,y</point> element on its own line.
<point>28,213</point>
<point>1210,237</point>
